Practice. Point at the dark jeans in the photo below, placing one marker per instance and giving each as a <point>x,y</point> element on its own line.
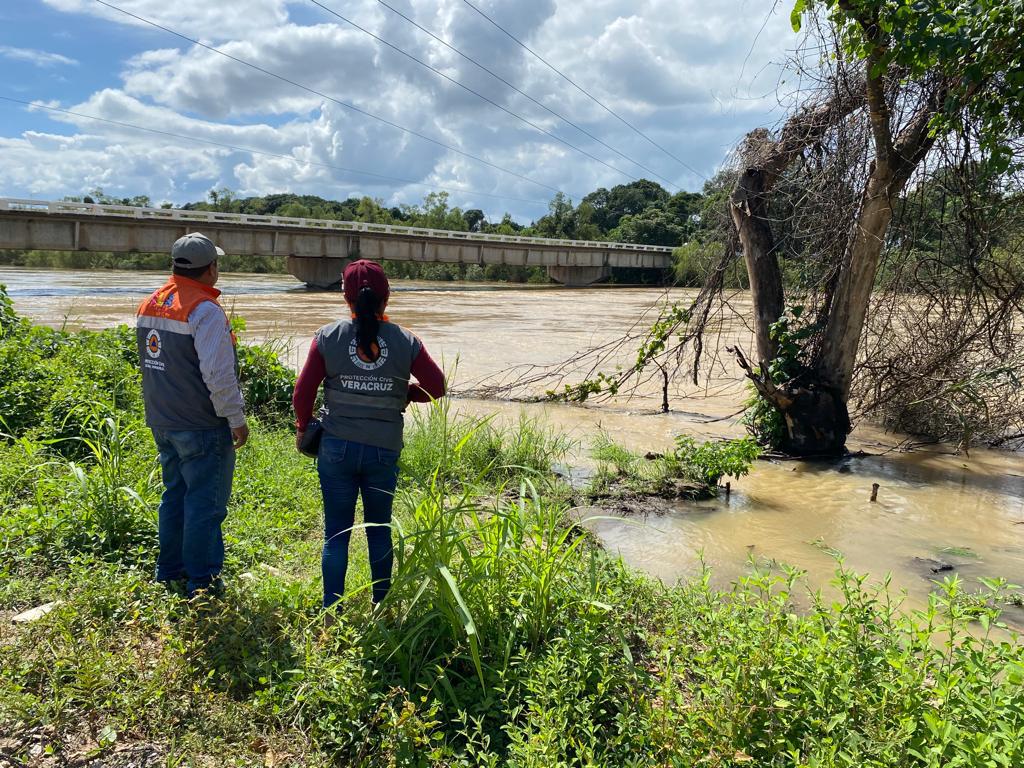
<point>347,469</point>
<point>197,467</point>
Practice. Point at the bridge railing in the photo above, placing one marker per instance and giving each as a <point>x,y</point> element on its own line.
<point>218,217</point>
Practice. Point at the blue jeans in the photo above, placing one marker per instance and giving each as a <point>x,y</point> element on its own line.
<point>347,469</point>
<point>198,466</point>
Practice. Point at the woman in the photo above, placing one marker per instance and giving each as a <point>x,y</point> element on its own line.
<point>366,364</point>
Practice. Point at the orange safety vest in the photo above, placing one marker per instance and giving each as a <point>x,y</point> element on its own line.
<point>175,394</point>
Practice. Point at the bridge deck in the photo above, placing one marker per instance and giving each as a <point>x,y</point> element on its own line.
<point>34,224</point>
<point>64,209</point>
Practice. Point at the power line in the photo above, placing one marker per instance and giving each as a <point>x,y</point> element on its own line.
<point>582,90</point>
<point>322,95</point>
<point>233,147</point>
<point>543,106</point>
<point>476,93</point>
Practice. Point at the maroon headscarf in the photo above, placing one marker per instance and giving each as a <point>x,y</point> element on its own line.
<point>362,273</point>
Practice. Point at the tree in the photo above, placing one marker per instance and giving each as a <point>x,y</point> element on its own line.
<point>221,199</point>
<point>474,219</point>
<point>910,73</point>
<point>372,211</point>
<point>293,210</point>
<point>560,221</point>
<point>507,226</point>
<point>685,208</point>
<point>609,206</point>
<point>653,226</point>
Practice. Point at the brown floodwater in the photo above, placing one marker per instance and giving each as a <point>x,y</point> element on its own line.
<point>934,506</point>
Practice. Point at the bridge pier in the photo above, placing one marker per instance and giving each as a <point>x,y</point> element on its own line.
<point>318,271</point>
<point>578,277</point>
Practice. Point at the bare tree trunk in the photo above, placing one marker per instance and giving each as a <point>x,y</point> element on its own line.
<point>764,160</point>
<point>749,208</point>
<point>894,164</point>
<point>856,282</point>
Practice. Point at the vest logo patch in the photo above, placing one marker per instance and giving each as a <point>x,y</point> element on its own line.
<point>153,344</point>
<point>361,361</point>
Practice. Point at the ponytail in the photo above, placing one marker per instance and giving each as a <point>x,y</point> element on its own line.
<point>367,322</point>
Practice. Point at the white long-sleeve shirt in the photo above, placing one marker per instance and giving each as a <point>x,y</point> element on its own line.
<point>211,334</point>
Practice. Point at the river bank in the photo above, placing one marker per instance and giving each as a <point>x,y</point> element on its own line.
<point>510,638</point>
<point>931,500</point>
<point>274,265</point>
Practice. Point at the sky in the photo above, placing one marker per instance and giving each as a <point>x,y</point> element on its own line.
<point>685,79</point>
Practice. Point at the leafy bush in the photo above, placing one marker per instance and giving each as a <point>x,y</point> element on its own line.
<point>695,260</point>
<point>8,317</point>
<point>50,379</point>
<point>267,384</point>
<point>762,419</point>
<point>692,470</point>
<point>709,462</point>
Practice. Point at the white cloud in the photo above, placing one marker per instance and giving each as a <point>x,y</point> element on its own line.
<point>38,58</point>
<point>670,67</point>
<point>202,81</point>
<point>91,160</point>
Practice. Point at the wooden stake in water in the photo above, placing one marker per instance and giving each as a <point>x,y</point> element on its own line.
<point>874,491</point>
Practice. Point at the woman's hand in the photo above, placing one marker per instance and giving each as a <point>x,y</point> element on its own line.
<point>299,434</point>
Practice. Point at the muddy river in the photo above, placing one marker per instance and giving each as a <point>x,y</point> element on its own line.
<point>933,507</point>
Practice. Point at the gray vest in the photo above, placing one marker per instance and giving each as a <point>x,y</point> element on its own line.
<point>175,394</point>
<point>365,399</point>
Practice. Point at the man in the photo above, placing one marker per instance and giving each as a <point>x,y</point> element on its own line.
<point>194,407</point>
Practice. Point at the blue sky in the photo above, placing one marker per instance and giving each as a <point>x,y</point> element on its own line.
<point>674,68</point>
<point>96,46</point>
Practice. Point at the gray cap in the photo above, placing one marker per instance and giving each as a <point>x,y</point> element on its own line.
<point>194,251</point>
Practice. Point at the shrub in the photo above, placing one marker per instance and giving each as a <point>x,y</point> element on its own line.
<point>8,317</point>
<point>267,384</point>
<point>692,470</point>
<point>709,462</point>
<point>49,379</point>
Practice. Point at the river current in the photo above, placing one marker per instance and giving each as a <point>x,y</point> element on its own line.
<point>934,506</point>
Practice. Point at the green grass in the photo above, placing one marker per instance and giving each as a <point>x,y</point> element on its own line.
<point>477,451</point>
<point>509,639</point>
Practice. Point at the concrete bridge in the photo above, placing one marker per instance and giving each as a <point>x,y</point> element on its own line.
<point>316,249</point>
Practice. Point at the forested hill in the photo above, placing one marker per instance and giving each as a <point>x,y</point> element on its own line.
<point>640,212</point>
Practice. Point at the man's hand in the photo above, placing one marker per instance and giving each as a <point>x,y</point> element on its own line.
<point>299,434</point>
<point>239,436</point>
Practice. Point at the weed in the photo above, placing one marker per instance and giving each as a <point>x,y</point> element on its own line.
<point>476,450</point>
